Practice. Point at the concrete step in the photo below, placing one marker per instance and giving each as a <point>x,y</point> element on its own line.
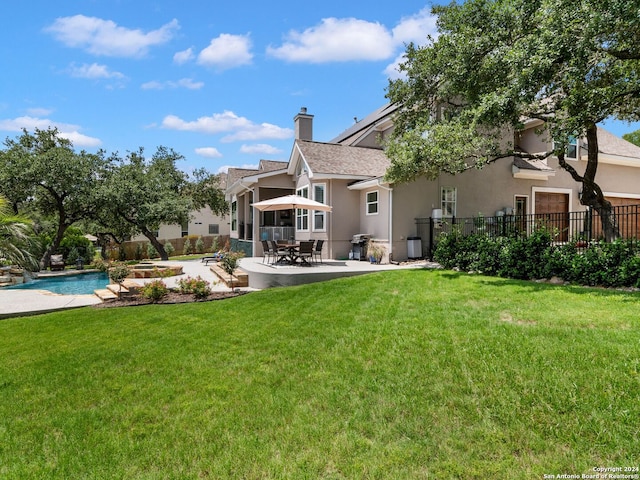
<point>240,277</point>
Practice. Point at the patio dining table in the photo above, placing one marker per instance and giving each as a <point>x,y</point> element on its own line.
<point>293,248</point>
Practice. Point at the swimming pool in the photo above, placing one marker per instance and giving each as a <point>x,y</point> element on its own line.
<point>80,284</point>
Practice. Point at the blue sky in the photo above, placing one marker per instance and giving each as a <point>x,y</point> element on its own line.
<point>218,82</point>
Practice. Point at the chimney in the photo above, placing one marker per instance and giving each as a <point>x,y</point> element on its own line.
<point>304,125</point>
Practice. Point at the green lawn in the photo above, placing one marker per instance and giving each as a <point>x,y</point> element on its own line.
<point>404,374</point>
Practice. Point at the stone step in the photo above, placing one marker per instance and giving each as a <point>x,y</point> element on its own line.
<point>240,277</point>
<point>105,294</point>
<point>115,288</point>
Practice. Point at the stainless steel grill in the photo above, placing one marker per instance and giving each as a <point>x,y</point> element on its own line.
<point>359,246</point>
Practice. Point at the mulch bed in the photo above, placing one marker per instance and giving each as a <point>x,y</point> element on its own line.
<point>170,298</point>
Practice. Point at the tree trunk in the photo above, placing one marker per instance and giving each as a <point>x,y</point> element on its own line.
<point>592,195</point>
<point>156,243</point>
<point>45,261</point>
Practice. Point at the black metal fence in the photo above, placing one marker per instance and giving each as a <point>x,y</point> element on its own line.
<point>581,227</point>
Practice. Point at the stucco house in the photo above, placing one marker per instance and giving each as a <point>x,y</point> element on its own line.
<point>348,173</point>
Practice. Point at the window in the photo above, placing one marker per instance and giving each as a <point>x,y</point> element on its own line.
<point>185,229</point>
<point>214,229</point>
<point>319,216</point>
<point>234,216</point>
<point>302,214</point>
<point>448,197</point>
<point>572,148</point>
<point>372,203</point>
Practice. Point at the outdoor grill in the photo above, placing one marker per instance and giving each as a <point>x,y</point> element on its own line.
<point>359,246</point>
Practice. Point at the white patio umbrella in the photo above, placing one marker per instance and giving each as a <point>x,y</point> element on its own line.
<point>289,202</point>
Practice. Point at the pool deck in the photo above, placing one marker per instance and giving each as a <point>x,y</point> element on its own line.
<point>15,303</point>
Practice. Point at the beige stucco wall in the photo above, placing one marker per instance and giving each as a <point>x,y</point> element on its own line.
<point>198,225</point>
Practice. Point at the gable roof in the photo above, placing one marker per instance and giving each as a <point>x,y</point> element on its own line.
<point>336,159</point>
<point>609,144</point>
<point>272,165</point>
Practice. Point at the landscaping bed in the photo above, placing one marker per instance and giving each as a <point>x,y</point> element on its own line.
<point>172,297</point>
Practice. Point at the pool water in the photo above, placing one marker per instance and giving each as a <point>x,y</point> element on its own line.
<point>81,284</point>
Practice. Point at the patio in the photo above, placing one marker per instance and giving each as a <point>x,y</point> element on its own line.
<point>263,275</point>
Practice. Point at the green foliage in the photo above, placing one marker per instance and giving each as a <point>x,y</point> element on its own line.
<point>43,171</point>
<point>615,264</point>
<point>633,137</point>
<point>464,95</point>
<point>155,290</point>
<point>74,245</point>
<point>187,248</point>
<point>118,272</point>
<point>200,245</point>
<point>215,244</point>
<point>100,264</point>
<point>151,251</point>
<point>16,237</point>
<point>138,253</point>
<point>199,287</point>
<point>169,248</point>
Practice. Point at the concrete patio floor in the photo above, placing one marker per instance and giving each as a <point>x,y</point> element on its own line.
<point>14,303</point>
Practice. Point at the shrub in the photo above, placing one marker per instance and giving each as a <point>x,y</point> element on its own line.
<point>155,290</point>
<point>187,248</point>
<point>151,251</point>
<point>199,245</point>
<point>138,252</point>
<point>215,244</point>
<point>75,245</point>
<point>199,287</point>
<point>100,264</point>
<point>169,248</point>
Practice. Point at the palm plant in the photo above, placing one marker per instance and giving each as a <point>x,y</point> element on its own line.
<point>15,237</point>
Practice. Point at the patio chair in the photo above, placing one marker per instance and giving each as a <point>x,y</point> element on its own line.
<point>280,253</point>
<point>317,251</point>
<point>268,251</point>
<point>305,252</point>
<point>56,262</point>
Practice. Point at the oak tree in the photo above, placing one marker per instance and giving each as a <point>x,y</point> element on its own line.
<point>568,63</point>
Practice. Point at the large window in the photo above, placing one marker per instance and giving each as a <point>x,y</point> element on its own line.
<point>448,196</point>
<point>372,203</point>
<point>302,214</point>
<point>214,229</point>
<point>319,217</point>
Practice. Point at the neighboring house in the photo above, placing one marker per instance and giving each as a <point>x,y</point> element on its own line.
<point>348,174</point>
<point>202,222</point>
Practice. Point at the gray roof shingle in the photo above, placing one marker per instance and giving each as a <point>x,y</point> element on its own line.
<point>329,158</point>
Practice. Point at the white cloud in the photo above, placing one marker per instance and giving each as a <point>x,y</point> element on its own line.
<point>241,128</point>
<point>260,148</point>
<point>227,51</point>
<point>93,71</point>
<point>184,56</point>
<point>66,130</point>
<point>105,37</point>
<point>182,83</point>
<point>416,28</point>
<point>337,40</point>
<point>392,71</point>
<point>209,152</point>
